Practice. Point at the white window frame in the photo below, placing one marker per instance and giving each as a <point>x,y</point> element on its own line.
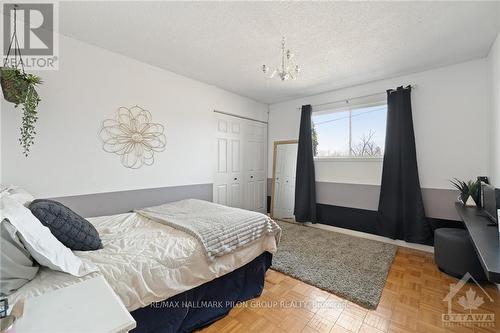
<point>350,107</point>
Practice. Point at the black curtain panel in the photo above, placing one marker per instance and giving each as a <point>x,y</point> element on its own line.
<point>401,212</point>
<point>305,183</point>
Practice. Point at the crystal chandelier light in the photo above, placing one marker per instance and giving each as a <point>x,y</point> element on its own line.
<point>288,68</point>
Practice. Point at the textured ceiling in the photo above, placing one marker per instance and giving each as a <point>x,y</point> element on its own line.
<point>337,44</point>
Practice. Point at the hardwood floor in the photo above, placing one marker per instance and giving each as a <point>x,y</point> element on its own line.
<point>412,301</point>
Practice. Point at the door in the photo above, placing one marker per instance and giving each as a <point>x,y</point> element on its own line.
<point>255,135</point>
<point>284,180</point>
<point>240,165</point>
<point>279,173</point>
<point>228,180</point>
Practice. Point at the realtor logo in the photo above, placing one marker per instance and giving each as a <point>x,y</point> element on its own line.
<point>470,302</point>
<point>35,25</point>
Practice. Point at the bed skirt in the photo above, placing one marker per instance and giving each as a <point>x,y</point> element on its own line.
<point>204,304</point>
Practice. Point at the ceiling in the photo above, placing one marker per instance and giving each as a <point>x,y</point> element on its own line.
<point>337,44</point>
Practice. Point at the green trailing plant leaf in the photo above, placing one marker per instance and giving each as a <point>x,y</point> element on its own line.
<point>19,88</point>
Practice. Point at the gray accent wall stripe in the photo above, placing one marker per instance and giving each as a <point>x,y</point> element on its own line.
<point>439,203</point>
<point>110,203</point>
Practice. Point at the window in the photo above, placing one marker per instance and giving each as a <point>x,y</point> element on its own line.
<point>354,132</point>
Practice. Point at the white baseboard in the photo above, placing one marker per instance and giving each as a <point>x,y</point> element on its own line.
<point>397,242</point>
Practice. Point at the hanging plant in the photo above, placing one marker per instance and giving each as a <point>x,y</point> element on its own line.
<point>18,87</point>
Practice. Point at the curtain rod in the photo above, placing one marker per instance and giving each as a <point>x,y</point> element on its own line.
<point>347,100</point>
<point>235,115</point>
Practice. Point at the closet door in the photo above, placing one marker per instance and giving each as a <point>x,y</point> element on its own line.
<point>228,180</point>
<point>255,135</point>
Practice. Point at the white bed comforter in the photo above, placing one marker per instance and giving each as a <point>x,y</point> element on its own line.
<point>145,261</point>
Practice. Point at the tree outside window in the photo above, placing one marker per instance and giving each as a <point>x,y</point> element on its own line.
<point>354,132</point>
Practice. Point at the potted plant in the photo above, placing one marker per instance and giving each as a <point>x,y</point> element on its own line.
<point>468,189</point>
<point>19,88</point>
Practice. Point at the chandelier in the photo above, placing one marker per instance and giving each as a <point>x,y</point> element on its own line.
<point>288,68</point>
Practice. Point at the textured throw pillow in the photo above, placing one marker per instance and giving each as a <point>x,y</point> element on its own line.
<point>68,227</point>
<point>40,242</point>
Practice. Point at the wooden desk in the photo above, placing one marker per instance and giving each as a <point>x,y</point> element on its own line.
<point>485,238</point>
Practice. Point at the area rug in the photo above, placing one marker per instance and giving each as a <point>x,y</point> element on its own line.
<point>351,267</point>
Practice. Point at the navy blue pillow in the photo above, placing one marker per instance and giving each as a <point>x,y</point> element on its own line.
<point>68,227</point>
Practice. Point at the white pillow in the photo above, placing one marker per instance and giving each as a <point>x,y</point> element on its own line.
<point>40,242</point>
<point>17,193</point>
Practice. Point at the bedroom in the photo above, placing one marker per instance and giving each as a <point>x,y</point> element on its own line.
<point>250,166</point>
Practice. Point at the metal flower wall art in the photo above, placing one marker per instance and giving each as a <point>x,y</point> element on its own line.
<point>133,136</point>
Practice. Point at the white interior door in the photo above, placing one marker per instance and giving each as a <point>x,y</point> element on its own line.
<point>255,135</point>
<point>284,184</point>
<point>240,171</point>
<point>278,180</point>
<point>228,182</point>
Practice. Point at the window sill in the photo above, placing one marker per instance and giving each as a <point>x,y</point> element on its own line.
<point>348,159</point>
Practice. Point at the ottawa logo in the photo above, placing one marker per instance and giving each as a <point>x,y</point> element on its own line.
<point>472,315</point>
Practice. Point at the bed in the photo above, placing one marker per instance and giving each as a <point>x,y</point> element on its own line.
<point>149,264</point>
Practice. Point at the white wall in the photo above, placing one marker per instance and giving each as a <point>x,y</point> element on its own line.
<point>494,69</point>
<point>91,83</point>
<point>450,114</point>
<point>349,170</point>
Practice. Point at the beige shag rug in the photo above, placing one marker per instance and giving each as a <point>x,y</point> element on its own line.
<point>351,267</point>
